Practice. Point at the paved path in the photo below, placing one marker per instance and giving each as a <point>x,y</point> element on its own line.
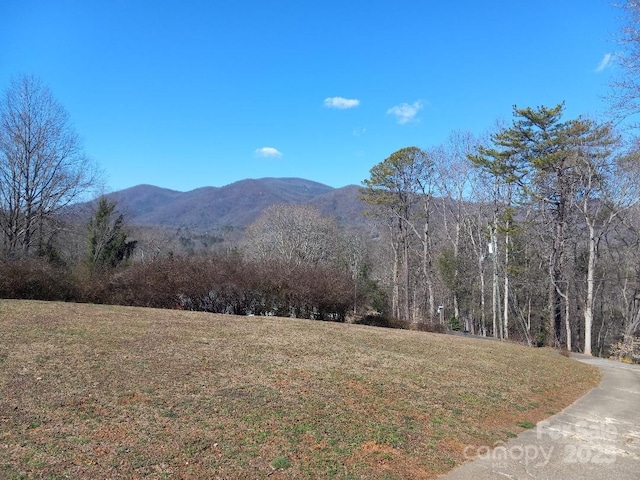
<point>597,437</point>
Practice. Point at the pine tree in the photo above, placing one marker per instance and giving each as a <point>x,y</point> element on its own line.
<point>545,157</point>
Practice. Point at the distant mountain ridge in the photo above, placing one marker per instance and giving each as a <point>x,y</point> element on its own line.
<point>234,205</point>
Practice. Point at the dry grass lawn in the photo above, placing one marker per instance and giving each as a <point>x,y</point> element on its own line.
<point>112,392</point>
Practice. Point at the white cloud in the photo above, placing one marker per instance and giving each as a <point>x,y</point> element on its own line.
<point>405,113</point>
<point>267,152</point>
<point>341,103</point>
<point>604,63</point>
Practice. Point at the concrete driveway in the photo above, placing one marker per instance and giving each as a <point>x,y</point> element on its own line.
<point>597,437</point>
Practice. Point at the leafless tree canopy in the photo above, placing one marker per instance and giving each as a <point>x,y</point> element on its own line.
<point>293,233</point>
<point>626,87</point>
<point>42,166</point>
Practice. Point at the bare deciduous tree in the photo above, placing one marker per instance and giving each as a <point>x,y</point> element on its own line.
<point>625,99</point>
<point>395,188</point>
<point>42,167</point>
<point>456,176</point>
<point>292,233</point>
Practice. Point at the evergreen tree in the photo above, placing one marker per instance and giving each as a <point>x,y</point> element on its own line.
<point>546,157</point>
<point>108,245</point>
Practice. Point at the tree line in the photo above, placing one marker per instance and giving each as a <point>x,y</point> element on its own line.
<point>521,235</point>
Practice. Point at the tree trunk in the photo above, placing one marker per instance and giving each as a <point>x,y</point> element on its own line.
<point>555,275</point>
<point>395,287</point>
<point>588,308</point>
<point>497,321</point>
<point>567,317</point>
<point>483,308</point>
<point>406,278</point>
<point>427,262</point>
<point>506,284</point>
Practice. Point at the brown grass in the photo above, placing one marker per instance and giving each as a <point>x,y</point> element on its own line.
<point>115,392</point>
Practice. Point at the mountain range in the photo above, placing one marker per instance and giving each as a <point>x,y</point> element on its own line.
<point>235,205</point>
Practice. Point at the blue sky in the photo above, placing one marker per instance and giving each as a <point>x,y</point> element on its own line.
<point>185,94</point>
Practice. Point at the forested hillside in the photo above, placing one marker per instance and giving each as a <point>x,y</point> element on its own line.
<point>235,205</point>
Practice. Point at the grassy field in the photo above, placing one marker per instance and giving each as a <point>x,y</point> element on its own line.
<point>113,392</point>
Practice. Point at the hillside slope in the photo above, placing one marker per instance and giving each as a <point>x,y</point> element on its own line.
<point>235,205</point>
<point>96,391</point>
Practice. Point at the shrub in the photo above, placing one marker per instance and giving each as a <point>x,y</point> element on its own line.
<point>219,284</point>
<point>36,279</point>
<point>226,284</point>
<point>454,324</point>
